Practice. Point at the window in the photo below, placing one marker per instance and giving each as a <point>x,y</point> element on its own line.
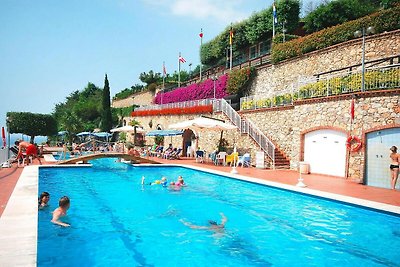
<point>253,52</point>
<point>265,48</point>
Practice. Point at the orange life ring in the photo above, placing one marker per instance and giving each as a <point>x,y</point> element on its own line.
<point>353,143</point>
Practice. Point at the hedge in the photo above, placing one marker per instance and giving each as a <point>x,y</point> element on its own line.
<point>195,91</point>
<point>385,20</point>
<point>238,79</point>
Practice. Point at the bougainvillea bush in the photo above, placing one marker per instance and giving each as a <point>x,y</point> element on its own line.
<point>195,91</point>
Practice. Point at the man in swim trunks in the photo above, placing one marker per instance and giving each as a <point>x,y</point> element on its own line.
<point>30,149</point>
<point>394,165</point>
<point>213,225</point>
<point>61,211</point>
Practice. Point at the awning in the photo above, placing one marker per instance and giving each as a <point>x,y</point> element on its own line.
<point>164,133</point>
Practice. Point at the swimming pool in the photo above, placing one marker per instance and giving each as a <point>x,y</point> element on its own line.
<point>117,221</point>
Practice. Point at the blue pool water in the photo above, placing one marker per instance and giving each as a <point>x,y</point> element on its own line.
<point>115,221</point>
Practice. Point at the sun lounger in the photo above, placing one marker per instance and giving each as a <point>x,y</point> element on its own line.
<point>175,154</point>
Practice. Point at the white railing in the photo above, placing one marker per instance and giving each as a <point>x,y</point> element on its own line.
<point>378,78</point>
<point>246,127</point>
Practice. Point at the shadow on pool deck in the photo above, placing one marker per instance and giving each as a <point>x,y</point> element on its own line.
<point>337,185</point>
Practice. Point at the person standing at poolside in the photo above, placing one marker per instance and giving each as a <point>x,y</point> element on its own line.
<point>61,211</point>
<point>394,165</point>
<point>30,149</point>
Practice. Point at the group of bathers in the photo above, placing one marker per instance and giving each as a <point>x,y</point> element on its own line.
<point>164,182</point>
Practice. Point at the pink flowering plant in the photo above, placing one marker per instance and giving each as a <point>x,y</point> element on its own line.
<point>196,91</point>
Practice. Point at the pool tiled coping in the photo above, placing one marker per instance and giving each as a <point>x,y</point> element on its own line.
<point>18,224</point>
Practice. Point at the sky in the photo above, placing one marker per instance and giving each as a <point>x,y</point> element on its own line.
<point>48,49</point>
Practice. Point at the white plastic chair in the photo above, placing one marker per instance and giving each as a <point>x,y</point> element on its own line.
<point>189,151</point>
<point>221,158</point>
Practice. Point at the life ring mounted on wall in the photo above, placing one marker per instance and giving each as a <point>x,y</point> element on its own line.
<point>353,143</point>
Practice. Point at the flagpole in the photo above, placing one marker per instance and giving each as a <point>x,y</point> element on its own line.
<point>163,83</point>
<point>201,45</point>
<point>230,41</point>
<point>179,70</point>
<point>273,19</point>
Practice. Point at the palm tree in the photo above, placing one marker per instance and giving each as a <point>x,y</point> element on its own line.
<point>71,123</point>
<point>135,124</point>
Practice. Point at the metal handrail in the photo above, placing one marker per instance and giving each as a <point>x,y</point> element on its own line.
<point>246,126</point>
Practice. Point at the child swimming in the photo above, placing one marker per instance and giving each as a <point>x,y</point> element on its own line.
<point>163,181</point>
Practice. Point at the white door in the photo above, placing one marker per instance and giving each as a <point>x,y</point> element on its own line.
<point>325,151</point>
<point>378,156</point>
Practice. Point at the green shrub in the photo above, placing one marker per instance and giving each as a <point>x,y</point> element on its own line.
<point>386,20</point>
<point>337,12</point>
<point>238,80</point>
<point>279,38</point>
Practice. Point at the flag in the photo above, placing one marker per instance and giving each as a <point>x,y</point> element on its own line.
<point>3,136</point>
<point>164,70</point>
<point>275,16</point>
<point>201,33</point>
<point>352,109</point>
<point>231,36</point>
<point>181,59</point>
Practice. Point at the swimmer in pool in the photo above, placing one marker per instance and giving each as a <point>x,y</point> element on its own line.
<point>213,225</point>
<point>43,200</point>
<point>180,181</point>
<point>61,211</point>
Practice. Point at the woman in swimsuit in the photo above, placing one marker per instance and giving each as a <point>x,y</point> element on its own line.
<point>394,165</point>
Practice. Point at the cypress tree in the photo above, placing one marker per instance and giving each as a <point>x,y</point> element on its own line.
<point>106,119</point>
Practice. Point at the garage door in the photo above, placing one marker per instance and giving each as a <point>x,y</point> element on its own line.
<point>325,151</point>
<point>378,144</point>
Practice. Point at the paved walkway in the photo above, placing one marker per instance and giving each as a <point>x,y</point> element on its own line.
<point>9,178</point>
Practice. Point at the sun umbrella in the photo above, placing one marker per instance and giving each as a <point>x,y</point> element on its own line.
<point>84,134</point>
<point>3,136</point>
<point>203,123</point>
<point>127,129</point>
<point>61,133</point>
<point>102,134</point>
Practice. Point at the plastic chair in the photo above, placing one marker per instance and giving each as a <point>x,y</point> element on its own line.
<point>221,158</point>
<point>232,158</point>
<point>200,156</point>
<point>189,151</point>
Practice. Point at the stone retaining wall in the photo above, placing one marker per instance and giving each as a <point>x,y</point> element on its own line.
<point>142,98</point>
<point>287,127</point>
<point>278,79</point>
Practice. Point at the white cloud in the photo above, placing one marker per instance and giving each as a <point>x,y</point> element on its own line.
<point>220,10</point>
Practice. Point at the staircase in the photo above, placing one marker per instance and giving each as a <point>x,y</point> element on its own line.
<point>281,162</point>
<point>246,126</point>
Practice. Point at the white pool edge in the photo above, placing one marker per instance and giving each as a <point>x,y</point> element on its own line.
<point>18,223</point>
<point>378,206</point>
